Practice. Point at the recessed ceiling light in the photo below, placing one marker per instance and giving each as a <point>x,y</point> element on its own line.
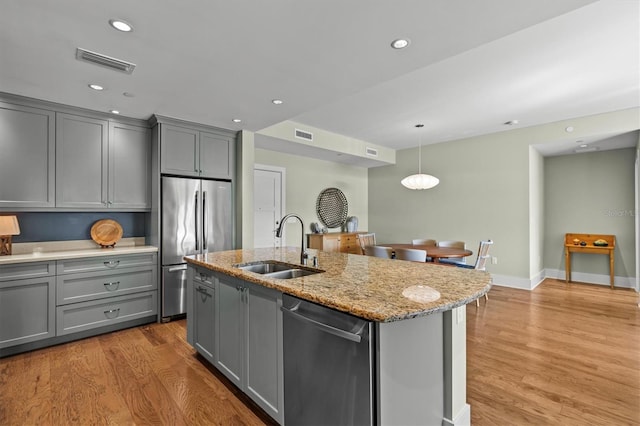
<point>400,43</point>
<point>96,87</point>
<point>511,122</point>
<point>277,102</point>
<point>584,145</point>
<point>129,94</point>
<point>121,25</point>
<point>114,111</point>
<point>237,120</point>
<point>569,129</point>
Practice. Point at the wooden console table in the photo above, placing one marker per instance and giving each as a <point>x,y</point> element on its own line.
<point>575,247</point>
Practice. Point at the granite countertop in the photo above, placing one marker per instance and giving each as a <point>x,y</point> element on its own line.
<point>58,250</point>
<point>365,286</point>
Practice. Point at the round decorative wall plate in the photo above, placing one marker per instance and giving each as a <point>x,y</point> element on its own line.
<point>106,232</point>
<point>332,207</point>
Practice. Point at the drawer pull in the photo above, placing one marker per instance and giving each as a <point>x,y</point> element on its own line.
<point>112,313</point>
<point>110,286</point>
<point>111,263</point>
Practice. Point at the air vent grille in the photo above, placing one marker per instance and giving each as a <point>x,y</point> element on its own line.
<point>105,61</point>
<point>372,152</point>
<point>302,134</point>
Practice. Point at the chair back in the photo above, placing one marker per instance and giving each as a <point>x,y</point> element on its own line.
<point>424,242</point>
<point>378,251</point>
<point>483,255</point>
<point>452,243</point>
<point>411,254</point>
<point>366,240</point>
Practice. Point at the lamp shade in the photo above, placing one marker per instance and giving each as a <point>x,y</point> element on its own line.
<point>9,225</point>
<point>420,181</point>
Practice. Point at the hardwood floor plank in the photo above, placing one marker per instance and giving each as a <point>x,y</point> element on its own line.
<point>558,355</point>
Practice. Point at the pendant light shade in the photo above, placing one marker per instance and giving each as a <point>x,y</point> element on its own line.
<point>420,181</point>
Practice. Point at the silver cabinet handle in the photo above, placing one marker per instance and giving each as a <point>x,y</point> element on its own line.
<point>111,263</point>
<point>112,313</point>
<point>109,286</point>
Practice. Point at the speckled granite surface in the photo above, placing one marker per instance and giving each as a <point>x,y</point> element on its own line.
<point>364,286</point>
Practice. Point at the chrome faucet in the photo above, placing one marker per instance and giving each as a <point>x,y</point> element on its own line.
<point>303,253</point>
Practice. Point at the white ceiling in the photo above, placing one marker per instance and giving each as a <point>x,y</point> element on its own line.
<point>470,67</point>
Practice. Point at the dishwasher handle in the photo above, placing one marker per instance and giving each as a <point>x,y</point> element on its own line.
<point>354,337</point>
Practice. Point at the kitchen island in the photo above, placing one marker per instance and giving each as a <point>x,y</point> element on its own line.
<point>418,312</point>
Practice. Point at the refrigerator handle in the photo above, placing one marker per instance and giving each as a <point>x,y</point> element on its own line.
<point>204,220</point>
<point>195,228</point>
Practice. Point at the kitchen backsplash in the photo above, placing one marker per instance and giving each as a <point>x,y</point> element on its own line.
<point>65,226</point>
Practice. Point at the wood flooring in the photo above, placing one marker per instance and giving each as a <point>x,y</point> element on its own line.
<point>559,355</point>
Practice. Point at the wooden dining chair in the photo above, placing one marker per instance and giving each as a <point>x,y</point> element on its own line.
<point>378,251</point>
<point>366,240</point>
<point>424,242</point>
<point>414,255</point>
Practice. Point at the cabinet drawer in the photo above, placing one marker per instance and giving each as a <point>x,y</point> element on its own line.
<point>100,313</point>
<point>74,288</point>
<point>18,271</point>
<point>108,263</point>
<point>204,276</point>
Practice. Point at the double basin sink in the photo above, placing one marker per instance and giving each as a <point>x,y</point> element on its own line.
<point>278,270</point>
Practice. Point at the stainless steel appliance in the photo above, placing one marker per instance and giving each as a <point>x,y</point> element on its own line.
<point>328,366</point>
<point>196,218</point>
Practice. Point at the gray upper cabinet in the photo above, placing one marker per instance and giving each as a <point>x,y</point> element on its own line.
<point>27,163</point>
<point>101,164</point>
<point>190,152</point>
<point>129,166</point>
<point>81,161</point>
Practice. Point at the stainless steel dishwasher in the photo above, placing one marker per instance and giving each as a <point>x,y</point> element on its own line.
<point>328,366</point>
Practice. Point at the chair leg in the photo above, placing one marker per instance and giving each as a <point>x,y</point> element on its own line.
<point>477,303</point>
<point>486,297</point>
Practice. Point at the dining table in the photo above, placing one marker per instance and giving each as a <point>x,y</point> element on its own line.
<point>434,252</point>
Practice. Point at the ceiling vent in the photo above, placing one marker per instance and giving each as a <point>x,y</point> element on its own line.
<point>302,134</point>
<point>371,152</point>
<point>105,61</point>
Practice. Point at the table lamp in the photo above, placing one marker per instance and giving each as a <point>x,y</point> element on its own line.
<point>8,228</point>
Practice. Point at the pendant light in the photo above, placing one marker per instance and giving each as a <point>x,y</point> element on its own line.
<point>420,181</point>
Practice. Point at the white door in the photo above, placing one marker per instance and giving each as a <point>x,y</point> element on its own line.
<point>268,204</point>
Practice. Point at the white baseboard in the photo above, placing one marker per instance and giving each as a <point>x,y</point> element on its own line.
<point>462,419</point>
<point>530,284</point>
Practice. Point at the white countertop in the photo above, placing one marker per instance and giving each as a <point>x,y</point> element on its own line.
<point>57,250</point>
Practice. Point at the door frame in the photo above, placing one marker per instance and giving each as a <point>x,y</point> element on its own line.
<point>283,190</point>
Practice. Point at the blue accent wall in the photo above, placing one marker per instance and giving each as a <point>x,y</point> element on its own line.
<point>65,226</point>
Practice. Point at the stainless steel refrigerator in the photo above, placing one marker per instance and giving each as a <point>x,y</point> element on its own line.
<point>196,218</point>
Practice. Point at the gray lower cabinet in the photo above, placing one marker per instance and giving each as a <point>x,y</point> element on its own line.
<point>237,326</point>
<point>102,164</point>
<point>27,303</point>
<point>191,152</point>
<point>27,162</point>
<point>204,309</point>
<point>54,300</point>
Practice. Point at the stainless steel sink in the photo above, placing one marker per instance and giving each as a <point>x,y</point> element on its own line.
<point>265,267</point>
<point>291,273</point>
<point>275,269</point>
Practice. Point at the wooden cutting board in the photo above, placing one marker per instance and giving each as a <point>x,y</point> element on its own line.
<point>106,232</point>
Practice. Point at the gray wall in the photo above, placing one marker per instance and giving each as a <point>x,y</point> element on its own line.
<point>591,193</point>
<point>489,188</point>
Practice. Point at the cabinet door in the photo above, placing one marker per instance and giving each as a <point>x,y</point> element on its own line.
<point>331,243</point>
<point>264,359</point>
<point>129,166</point>
<point>27,310</point>
<point>204,320</point>
<point>179,151</point>
<point>216,156</point>
<point>230,329</point>
<point>27,162</point>
<point>81,161</point>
